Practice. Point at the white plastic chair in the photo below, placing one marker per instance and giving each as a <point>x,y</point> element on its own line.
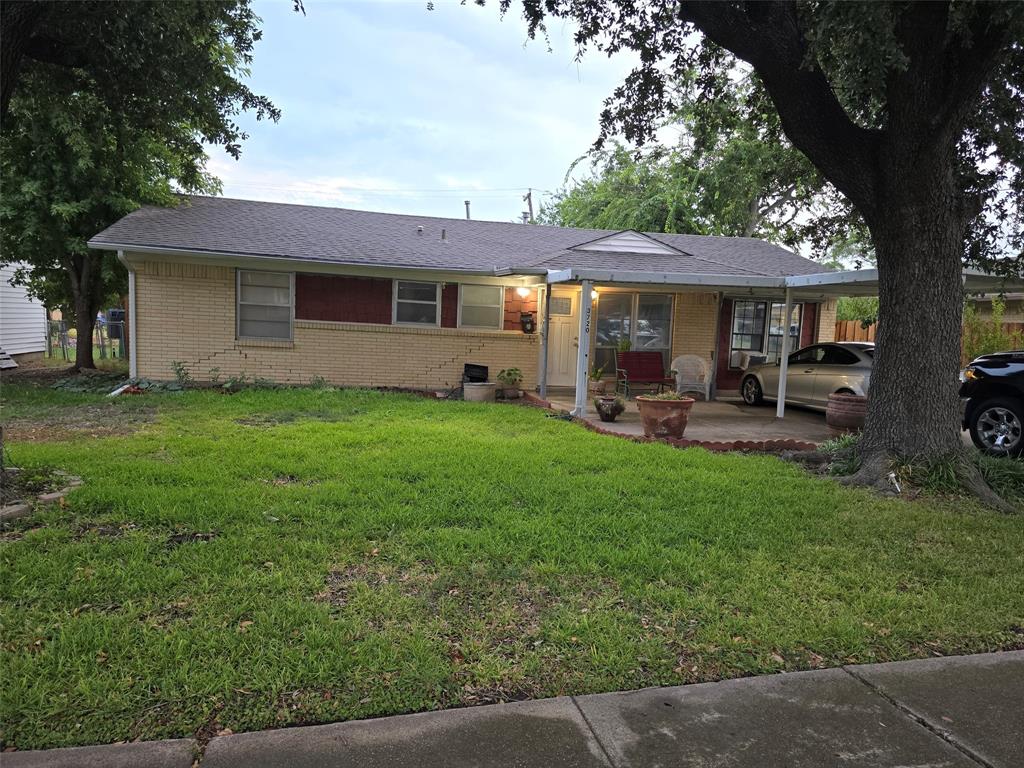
<point>692,375</point>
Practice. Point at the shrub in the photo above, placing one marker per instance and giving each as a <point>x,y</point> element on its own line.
<point>983,336</point>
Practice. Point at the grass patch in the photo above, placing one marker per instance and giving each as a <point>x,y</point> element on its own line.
<point>282,557</point>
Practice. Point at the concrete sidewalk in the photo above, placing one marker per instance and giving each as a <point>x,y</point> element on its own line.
<point>948,712</point>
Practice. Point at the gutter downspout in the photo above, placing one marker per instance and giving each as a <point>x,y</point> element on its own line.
<point>133,334</point>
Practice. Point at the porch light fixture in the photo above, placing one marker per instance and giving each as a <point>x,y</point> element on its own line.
<point>593,295</point>
<point>523,292</point>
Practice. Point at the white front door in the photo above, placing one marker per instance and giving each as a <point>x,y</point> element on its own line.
<point>563,338</point>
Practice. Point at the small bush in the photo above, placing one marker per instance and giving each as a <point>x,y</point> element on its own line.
<point>842,453</point>
<point>983,336</point>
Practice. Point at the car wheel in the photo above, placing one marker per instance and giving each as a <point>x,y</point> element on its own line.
<point>997,426</point>
<point>751,391</point>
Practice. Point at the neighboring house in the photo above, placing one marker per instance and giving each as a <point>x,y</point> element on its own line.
<point>292,293</point>
<point>1013,306</point>
<point>22,320</point>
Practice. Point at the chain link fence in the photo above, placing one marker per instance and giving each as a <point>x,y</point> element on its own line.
<point>109,340</point>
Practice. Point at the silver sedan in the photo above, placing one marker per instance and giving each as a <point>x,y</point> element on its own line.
<point>815,372</point>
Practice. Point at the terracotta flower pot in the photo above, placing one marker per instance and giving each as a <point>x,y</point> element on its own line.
<point>664,418</point>
<point>845,413</point>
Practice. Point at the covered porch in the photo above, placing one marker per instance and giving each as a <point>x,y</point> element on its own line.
<point>783,293</point>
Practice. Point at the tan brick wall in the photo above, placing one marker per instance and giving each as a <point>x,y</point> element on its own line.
<point>186,312</point>
<point>693,325</point>
<point>826,321</point>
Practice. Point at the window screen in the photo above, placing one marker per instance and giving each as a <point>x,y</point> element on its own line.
<point>481,306</point>
<point>265,303</point>
<point>416,303</point>
<point>776,329</point>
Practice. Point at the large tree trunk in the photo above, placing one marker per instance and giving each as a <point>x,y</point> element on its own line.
<point>913,407</point>
<point>85,323</point>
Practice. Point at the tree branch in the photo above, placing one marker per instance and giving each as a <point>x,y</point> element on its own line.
<point>767,36</point>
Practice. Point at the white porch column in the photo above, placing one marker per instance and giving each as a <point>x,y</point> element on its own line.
<point>583,351</point>
<point>780,407</point>
<point>544,340</point>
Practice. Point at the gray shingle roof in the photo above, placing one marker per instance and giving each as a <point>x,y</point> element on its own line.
<point>342,236</point>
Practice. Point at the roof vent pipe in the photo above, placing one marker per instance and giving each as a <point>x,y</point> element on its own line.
<point>467,209</point>
<point>419,230</point>
<point>444,235</point>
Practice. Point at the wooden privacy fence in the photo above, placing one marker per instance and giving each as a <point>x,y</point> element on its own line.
<point>853,330</point>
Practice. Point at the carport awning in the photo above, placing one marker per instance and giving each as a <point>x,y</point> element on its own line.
<point>793,288</point>
<point>821,285</point>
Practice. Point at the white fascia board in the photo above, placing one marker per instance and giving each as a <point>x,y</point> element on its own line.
<point>132,253</point>
<point>847,277</point>
<point>667,278</point>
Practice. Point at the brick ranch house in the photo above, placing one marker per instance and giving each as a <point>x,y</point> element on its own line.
<point>292,293</point>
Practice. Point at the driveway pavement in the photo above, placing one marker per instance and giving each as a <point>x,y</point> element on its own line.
<point>956,712</point>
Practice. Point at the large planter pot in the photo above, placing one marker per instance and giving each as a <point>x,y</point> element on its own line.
<point>596,387</point>
<point>664,418</point>
<point>845,413</point>
<point>479,392</point>
<point>510,393</point>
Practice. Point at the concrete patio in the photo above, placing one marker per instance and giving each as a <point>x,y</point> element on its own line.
<point>716,421</point>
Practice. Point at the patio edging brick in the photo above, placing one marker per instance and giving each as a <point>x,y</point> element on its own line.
<point>755,446</point>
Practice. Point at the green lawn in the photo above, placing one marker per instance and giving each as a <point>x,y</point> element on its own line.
<point>282,557</point>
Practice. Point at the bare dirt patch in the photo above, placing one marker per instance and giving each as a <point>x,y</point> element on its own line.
<point>68,423</point>
<point>189,537</point>
<point>291,417</point>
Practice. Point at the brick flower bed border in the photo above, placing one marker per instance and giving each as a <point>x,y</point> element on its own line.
<point>756,446</point>
<point>24,507</point>
<point>753,446</point>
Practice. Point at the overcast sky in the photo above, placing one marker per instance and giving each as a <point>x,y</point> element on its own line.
<point>388,106</point>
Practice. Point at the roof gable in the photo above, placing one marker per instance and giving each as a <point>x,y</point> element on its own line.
<point>628,241</point>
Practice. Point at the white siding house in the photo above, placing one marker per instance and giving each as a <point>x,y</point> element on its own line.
<point>22,320</point>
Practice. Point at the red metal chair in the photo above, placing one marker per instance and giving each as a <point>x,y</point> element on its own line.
<point>639,369</point>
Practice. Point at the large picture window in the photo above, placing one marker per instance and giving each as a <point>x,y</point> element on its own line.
<point>758,328</point>
<point>481,306</point>
<point>417,303</point>
<point>265,304</point>
<point>644,319</point>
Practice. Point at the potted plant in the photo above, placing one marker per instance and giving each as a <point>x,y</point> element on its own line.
<point>625,345</point>
<point>510,379</point>
<point>664,415</point>
<point>596,381</point>
<point>609,406</point>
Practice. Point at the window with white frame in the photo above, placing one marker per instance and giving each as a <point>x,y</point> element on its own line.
<point>417,303</point>
<point>266,303</point>
<point>481,306</point>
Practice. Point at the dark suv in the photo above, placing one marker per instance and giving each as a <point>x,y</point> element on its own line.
<point>993,386</point>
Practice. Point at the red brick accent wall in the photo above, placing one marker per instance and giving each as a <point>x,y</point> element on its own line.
<point>515,304</point>
<point>342,299</point>
<point>725,378</point>
<point>449,305</point>
<point>809,324</point>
